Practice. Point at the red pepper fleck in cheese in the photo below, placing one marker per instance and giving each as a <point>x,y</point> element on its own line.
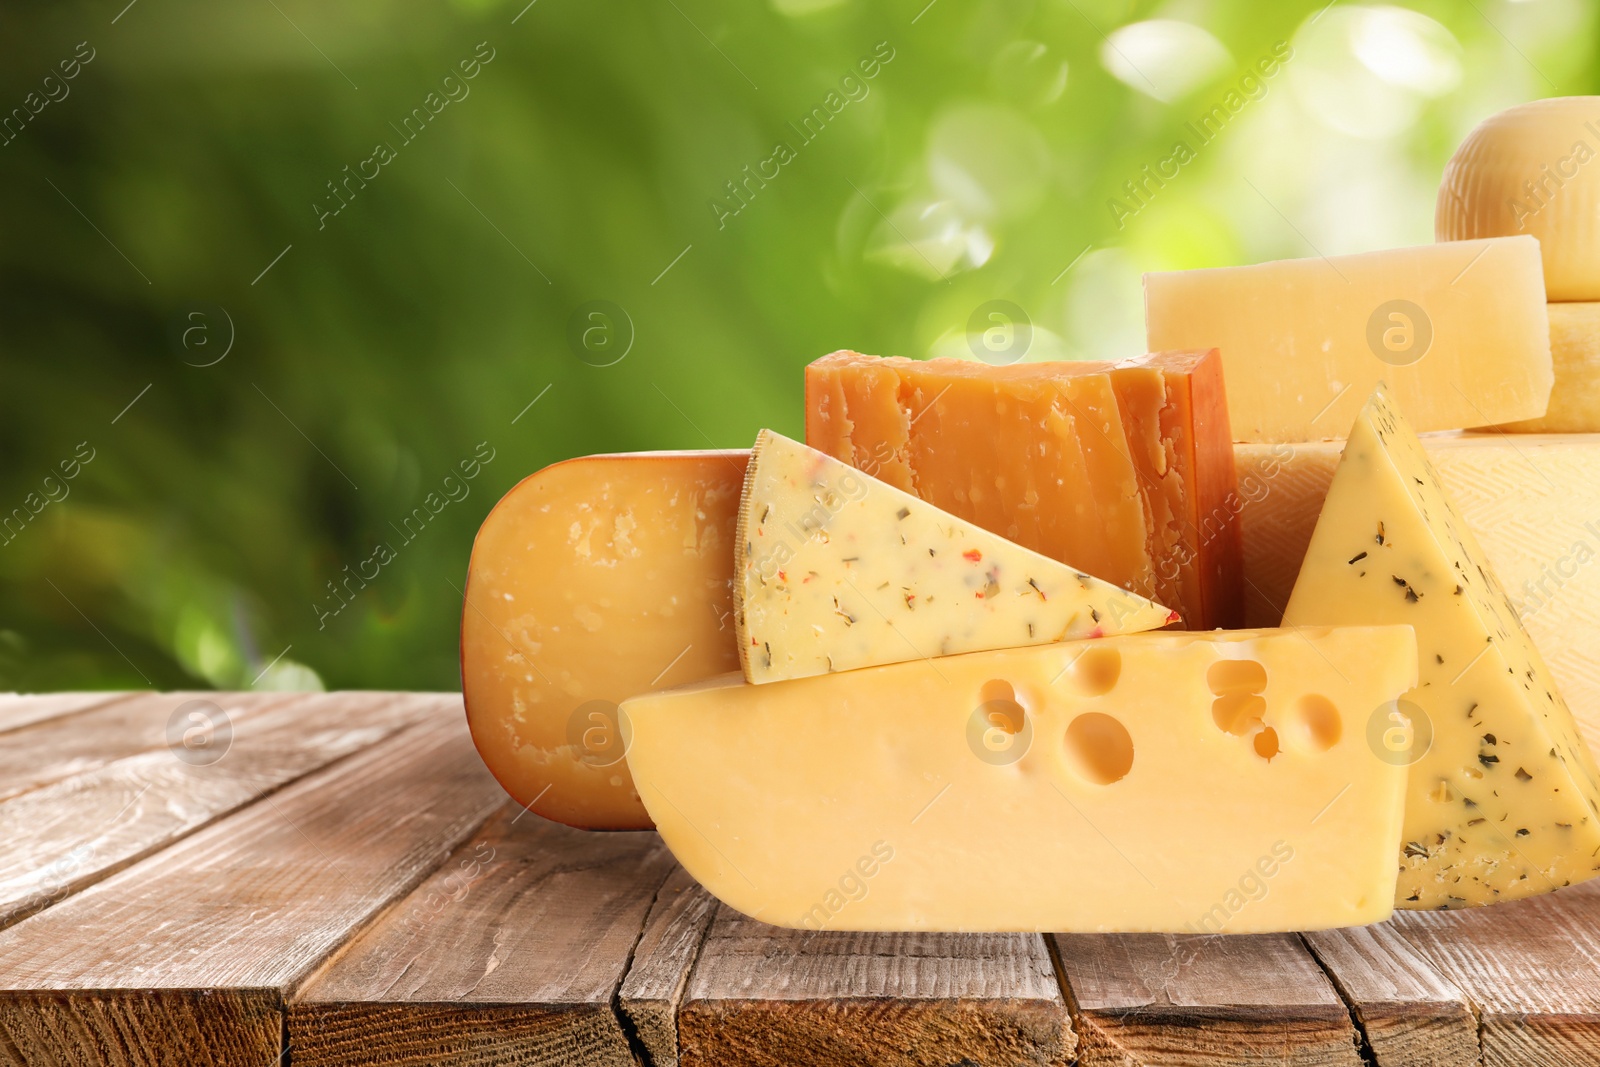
<point>838,570</point>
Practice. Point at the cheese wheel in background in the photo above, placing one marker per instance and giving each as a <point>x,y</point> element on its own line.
<point>1575,355</point>
<point>592,581</point>
<point>1532,169</point>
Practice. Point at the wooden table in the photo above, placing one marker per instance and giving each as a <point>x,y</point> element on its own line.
<point>341,882</point>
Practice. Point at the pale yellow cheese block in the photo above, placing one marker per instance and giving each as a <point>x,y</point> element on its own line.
<point>1459,330</point>
<point>1504,798</point>
<point>1533,169</point>
<point>1575,357</point>
<point>1532,500</point>
<point>838,570</point>
<point>1205,782</point>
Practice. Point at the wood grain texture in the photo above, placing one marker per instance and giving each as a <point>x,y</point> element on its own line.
<point>1530,967</point>
<point>24,709</point>
<point>1410,1014</point>
<point>762,995</point>
<point>61,747</point>
<point>653,990</point>
<point>176,955</point>
<point>69,834</point>
<point>1232,1000</point>
<point>512,952</point>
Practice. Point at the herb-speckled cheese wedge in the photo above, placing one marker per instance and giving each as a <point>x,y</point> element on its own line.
<point>1503,802</point>
<point>838,570</point>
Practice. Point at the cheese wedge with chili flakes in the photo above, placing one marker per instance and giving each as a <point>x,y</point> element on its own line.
<point>1504,799</point>
<point>838,570</point>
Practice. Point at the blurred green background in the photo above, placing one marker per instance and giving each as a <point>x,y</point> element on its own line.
<point>251,392</point>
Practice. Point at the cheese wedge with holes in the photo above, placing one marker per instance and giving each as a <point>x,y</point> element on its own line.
<point>1531,500</point>
<point>1532,169</point>
<point>1121,469</point>
<point>1504,799</point>
<point>1459,330</point>
<point>838,570</point>
<point>1575,359</point>
<point>1183,782</point>
<point>591,581</point>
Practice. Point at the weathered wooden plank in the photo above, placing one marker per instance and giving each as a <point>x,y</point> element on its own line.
<point>513,952</point>
<point>24,709</point>
<point>760,995</point>
<point>1234,1000</point>
<point>1410,1013</point>
<point>185,956</point>
<point>653,990</point>
<point>61,747</point>
<point>74,832</point>
<point>1532,969</point>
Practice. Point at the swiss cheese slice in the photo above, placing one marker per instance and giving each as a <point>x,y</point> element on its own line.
<point>838,570</point>
<point>1530,169</point>
<point>591,581</point>
<point>1459,330</point>
<point>1215,782</point>
<point>1503,795</point>
<point>1575,358</point>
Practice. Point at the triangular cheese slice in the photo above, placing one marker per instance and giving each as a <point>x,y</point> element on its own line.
<point>1503,794</point>
<point>838,570</point>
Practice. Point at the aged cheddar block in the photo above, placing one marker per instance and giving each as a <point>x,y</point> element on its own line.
<point>1459,330</point>
<point>1575,356</point>
<point>590,581</point>
<point>1122,469</point>
<point>1526,170</point>
<point>838,570</point>
<point>1204,782</point>
<point>1502,800</point>
<point>1532,501</point>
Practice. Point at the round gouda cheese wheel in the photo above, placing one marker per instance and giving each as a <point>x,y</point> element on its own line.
<point>1532,169</point>
<point>592,581</point>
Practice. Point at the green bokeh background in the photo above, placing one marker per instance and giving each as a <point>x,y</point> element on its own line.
<point>413,329</point>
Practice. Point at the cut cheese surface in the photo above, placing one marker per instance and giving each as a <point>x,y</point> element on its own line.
<point>1526,170</point>
<point>1459,330</point>
<point>839,570</point>
<point>591,581</point>
<point>1215,782</point>
<point>1121,469</point>
<point>1575,358</point>
<point>1503,795</point>
<point>1532,501</point>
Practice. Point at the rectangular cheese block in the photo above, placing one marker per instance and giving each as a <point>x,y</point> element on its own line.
<point>1532,500</point>
<point>1575,356</point>
<point>594,579</point>
<point>838,570</point>
<point>1458,330</point>
<point>1202,782</point>
<point>1120,470</point>
<point>1504,797</point>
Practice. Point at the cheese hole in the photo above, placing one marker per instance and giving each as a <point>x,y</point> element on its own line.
<point>1099,749</point>
<point>1266,743</point>
<point>1096,670</point>
<point>1316,722</point>
<point>994,690</point>
<point>1236,676</point>
<point>1237,713</point>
